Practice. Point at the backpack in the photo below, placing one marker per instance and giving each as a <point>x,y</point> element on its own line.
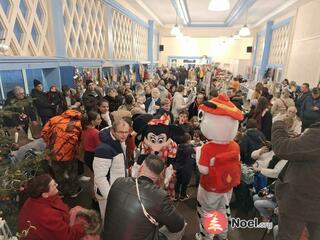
<point>62,136</point>
<point>225,172</point>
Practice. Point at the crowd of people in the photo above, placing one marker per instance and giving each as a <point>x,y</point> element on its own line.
<point>94,126</point>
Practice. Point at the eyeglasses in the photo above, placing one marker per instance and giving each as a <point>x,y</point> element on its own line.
<point>122,132</point>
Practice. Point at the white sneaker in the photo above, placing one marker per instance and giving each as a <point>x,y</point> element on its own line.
<point>84,178</point>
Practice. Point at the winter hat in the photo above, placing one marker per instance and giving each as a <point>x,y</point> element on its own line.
<point>222,105</point>
<point>88,82</point>
<point>36,82</point>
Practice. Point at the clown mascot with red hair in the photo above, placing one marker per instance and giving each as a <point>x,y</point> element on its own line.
<point>219,165</point>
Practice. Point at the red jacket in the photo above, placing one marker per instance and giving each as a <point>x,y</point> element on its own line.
<point>50,217</point>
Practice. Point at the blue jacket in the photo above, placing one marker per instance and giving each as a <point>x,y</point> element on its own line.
<point>306,109</point>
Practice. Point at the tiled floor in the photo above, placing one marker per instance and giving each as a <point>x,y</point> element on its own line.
<point>188,209</point>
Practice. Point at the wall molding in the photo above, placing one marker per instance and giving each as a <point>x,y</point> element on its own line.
<point>306,39</point>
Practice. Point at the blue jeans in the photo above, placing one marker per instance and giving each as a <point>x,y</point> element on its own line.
<point>264,206</point>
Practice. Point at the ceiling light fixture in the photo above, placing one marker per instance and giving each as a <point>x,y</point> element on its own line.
<point>236,37</point>
<point>175,30</point>
<point>245,31</point>
<point>219,5</point>
<point>3,47</point>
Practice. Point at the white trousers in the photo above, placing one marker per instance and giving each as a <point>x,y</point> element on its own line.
<point>209,201</point>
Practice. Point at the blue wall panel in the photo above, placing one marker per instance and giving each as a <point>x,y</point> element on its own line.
<point>66,75</point>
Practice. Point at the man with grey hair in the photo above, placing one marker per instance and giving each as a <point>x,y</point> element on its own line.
<point>153,103</point>
<point>110,161</point>
<point>21,108</point>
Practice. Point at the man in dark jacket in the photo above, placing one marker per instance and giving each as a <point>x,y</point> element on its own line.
<point>305,92</point>
<point>235,98</point>
<point>297,190</point>
<point>91,97</point>
<point>193,108</point>
<point>125,217</point>
<point>252,140</point>
<point>152,103</point>
<point>44,108</point>
<point>310,109</point>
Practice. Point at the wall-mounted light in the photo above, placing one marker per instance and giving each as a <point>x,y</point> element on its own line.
<point>219,5</point>
<point>3,47</point>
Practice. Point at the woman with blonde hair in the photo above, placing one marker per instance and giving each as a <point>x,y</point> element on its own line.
<point>282,104</point>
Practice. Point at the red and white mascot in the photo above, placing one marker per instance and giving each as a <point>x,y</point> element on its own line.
<point>219,161</point>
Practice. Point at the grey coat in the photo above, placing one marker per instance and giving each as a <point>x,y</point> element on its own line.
<point>298,193</point>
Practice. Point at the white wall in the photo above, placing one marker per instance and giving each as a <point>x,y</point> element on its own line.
<point>304,57</point>
<point>212,47</point>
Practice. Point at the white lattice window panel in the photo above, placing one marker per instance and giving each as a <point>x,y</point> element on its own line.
<point>85,28</point>
<point>141,42</point>
<point>24,25</point>
<point>121,36</point>
<point>259,51</point>
<point>279,45</point>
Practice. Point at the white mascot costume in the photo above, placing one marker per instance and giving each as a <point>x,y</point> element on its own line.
<point>219,162</point>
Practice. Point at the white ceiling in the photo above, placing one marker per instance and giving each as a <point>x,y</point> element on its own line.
<point>199,13</point>
<point>163,12</point>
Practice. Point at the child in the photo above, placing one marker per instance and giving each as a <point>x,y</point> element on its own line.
<point>183,121</point>
<point>184,165</point>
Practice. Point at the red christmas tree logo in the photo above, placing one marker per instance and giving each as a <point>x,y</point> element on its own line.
<point>215,222</point>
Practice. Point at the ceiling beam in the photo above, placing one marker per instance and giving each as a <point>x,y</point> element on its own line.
<point>149,11</point>
<point>242,7</point>
<point>181,10</point>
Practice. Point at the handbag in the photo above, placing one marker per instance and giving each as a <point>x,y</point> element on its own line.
<point>148,216</point>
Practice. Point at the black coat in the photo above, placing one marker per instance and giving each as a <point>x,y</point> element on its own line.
<point>114,103</point>
<point>252,140</point>
<point>41,101</point>
<point>90,100</point>
<point>185,159</point>
<point>193,109</point>
<point>124,217</point>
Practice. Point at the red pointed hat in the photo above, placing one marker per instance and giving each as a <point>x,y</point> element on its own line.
<point>222,105</point>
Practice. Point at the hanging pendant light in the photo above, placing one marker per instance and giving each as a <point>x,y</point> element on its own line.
<point>245,31</point>
<point>219,5</point>
<point>236,37</point>
<point>175,30</point>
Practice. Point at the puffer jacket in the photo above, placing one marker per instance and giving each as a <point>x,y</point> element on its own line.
<point>62,135</point>
<point>109,162</point>
<point>124,216</point>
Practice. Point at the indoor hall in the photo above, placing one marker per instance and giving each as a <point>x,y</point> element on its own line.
<point>95,94</point>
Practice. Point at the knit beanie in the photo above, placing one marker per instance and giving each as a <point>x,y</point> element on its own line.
<point>36,82</point>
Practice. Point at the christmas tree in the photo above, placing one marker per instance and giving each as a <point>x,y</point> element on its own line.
<point>14,174</point>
